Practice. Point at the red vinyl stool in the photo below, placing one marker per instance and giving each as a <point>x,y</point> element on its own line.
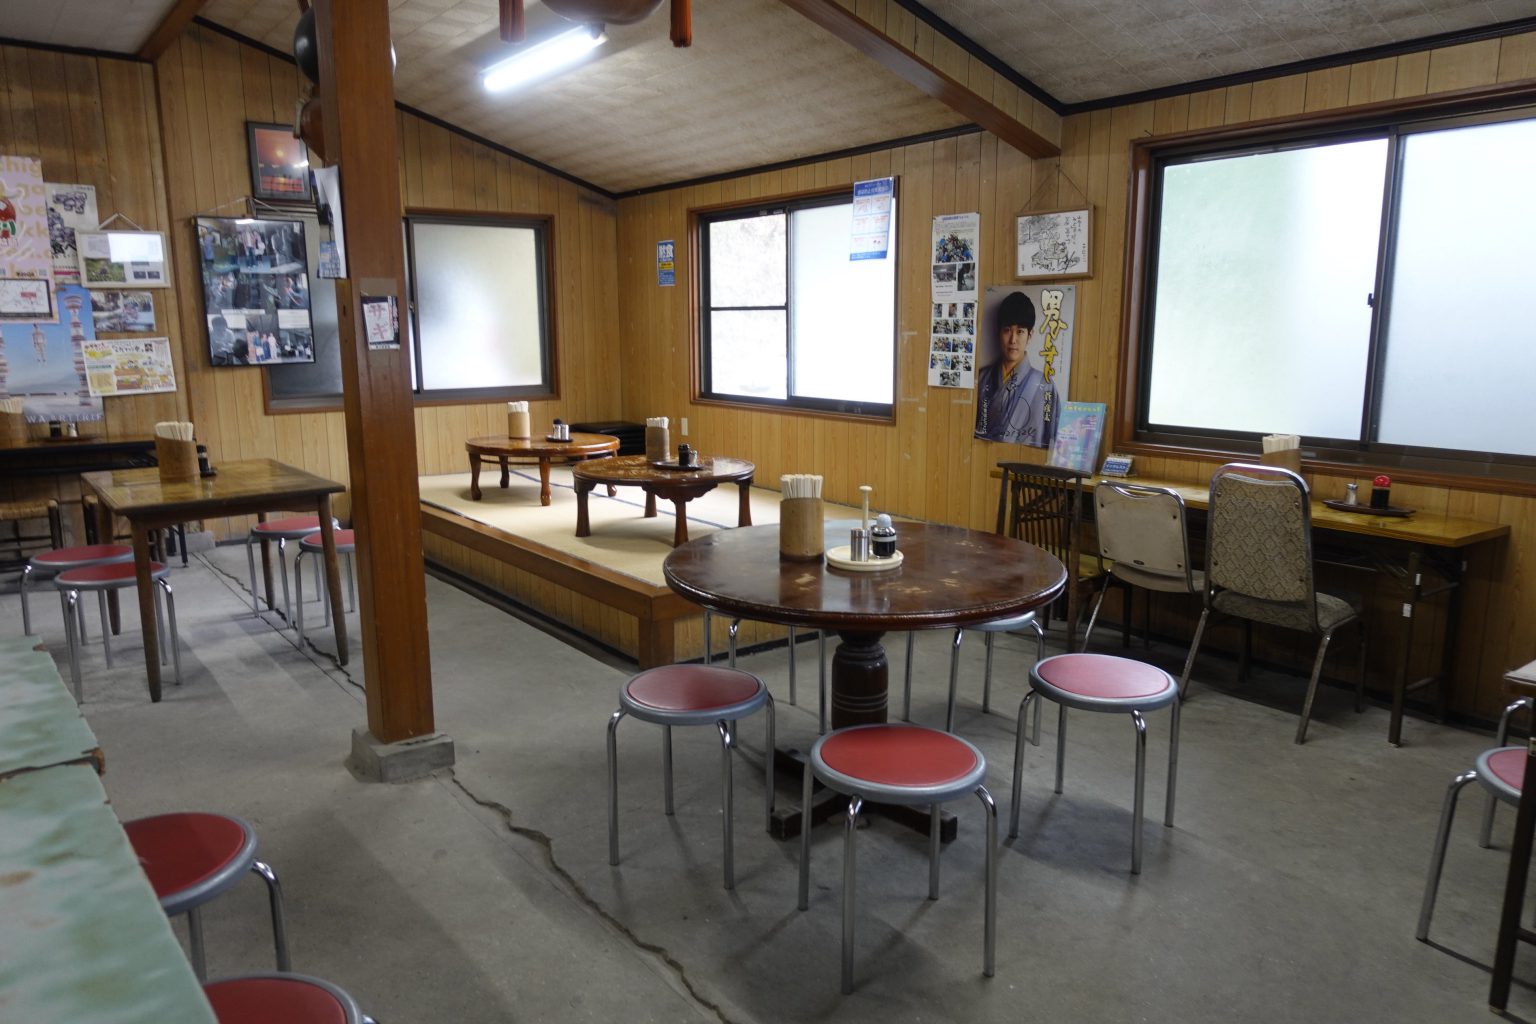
<point>1500,771</point>
<point>285,998</point>
<point>282,531</point>
<point>61,559</point>
<point>346,546</point>
<point>898,764</point>
<point>690,695</point>
<point>192,857</point>
<point>102,578</point>
<point>1102,682</point>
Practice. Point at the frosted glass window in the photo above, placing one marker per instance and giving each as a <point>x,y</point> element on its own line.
<point>479,306</point>
<point>1261,315</point>
<point>842,347</point>
<point>788,318</point>
<point>1460,344</point>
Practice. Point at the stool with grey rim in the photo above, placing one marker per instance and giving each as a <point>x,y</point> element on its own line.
<point>61,560</point>
<point>282,531</point>
<point>1500,771</point>
<point>346,544</point>
<point>191,857</point>
<point>898,764</point>
<point>290,998</point>
<point>102,578</point>
<point>1102,682</point>
<point>691,695</point>
<point>1028,620</point>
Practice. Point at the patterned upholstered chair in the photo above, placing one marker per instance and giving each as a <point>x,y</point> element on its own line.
<point>1258,568</point>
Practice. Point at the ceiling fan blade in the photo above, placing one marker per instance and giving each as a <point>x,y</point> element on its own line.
<point>512,28</point>
<point>682,23</point>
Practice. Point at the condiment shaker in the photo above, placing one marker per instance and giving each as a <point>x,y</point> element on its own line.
<point>882,537</point>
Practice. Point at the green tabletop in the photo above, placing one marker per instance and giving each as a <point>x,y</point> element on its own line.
<point>40,723</point>
<point>82,936</point>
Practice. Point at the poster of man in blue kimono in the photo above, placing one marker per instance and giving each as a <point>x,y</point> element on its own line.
<point>1027,337</point>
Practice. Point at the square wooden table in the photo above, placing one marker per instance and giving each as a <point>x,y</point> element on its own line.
<point>249,486</point>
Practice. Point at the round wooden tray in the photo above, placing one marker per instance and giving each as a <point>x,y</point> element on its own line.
<point>838,558</point>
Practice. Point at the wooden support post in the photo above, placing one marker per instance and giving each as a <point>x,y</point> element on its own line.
<point>358,101</point>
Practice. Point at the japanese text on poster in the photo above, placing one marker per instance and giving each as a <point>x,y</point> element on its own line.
<point>873,202</point>
<point>952,341</point>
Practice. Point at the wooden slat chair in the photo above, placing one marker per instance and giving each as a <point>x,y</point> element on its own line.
<point>1043,505</point>
<point>15,514</point>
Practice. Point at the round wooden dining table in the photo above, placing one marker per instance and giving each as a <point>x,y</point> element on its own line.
<point>949,576</point>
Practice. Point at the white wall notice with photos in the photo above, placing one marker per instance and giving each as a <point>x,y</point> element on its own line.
<point>954,271</point>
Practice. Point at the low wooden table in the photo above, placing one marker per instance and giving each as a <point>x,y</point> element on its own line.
<point>500,449</point>
<point>245,487</point>
<point>678,486</point>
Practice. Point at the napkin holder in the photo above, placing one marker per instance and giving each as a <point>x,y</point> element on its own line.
<point>519,425</point>
<point>1289,458</point>
<point>802,529</point>
<point>177,459</point>
<point>658,444</point>
<point>13,429</point>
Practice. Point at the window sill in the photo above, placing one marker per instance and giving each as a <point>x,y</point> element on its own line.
<point>885,414</point>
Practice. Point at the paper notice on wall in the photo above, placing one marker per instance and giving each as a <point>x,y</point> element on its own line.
<point>71,208</point>
<point>952,345</point>
<point>666,264</point>
<point>873,204</point>
<point>381,321</point>
<point>25,253</point>
<point>137,367</point>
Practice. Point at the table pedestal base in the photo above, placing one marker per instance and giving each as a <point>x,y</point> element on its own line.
<point>859,674</point>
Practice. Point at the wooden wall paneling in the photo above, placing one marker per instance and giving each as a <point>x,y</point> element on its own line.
<point>1239,103</point>
<point>1412,75</point>
<point>1517,57</point>
<point>1372,81</point>
<point>23,108</point>
<point>1328,88</point>
<point>1464,66</point>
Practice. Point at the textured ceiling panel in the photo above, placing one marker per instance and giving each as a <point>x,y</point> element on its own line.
<point>112,25</point>
<point>1080,50</point>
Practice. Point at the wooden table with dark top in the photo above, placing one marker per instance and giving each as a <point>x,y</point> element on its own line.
<point>501,449</point>
<point>679,486</point>
<point>250,486</point>
<point>949,576</point>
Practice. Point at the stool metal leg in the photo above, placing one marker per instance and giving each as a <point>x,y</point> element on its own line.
<point>165,651</point>
<point>26,612</point>
<point>954,678</point>
<point>986,680</point>
<point>1141,789</point>
<point>170,612</point>
<point>850,885</point>
<point>106,626</point>
<point>1437,858</point>
<point>1061,745</point>
<point>323,591</point>
<point>298,591</point>
<point>67,603</point>
<point>275,901</point>
<point>199,951</point>
<point>934,823</point>
<point>666,764</point>
<point>282,570</point>
<point>806,782</point>
<point>731,640</point>
<point>709,641</point>
<point>792,699</point>
<point>989,944</point>
<point>351,583</point>
<point>1030,697</point>
<point>727,802</point>
<point>1501,738</point>
<point>613,786</point>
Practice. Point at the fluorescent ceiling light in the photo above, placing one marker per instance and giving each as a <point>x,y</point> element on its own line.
<point>543,59</point>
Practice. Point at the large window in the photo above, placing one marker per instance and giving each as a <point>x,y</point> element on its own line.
<point>479,325</point>
<point>787,319</point>
<point>1369,289</point>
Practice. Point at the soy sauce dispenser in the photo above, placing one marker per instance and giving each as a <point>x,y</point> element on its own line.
<point>882,537</point>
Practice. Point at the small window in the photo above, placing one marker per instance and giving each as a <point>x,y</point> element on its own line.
<point>786,318</point>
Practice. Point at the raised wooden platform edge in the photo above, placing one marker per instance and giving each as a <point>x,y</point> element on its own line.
<point>655,607</point>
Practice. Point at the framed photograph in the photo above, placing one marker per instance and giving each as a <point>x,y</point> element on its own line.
<point>122,259</point>
<point>279,164</point>
<point>255,291</point>
<point>1054,244</point>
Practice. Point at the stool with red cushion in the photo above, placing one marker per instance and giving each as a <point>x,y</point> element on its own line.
<point>346,547</point>
<point>190,858</point>
<point>282,531</point>
<point>61,559</point>
<point>289,998</point>
<point>690,695</point>
<point>898,764</point>
<point>1102,682</point>
<point>1500,771</point>
<point>103,578</point>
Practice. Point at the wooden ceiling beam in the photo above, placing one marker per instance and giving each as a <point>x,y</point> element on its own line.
<point>170,28</point>
<point>894,57</point>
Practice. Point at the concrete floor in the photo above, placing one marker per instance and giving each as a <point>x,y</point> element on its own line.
<point>1287,891</point>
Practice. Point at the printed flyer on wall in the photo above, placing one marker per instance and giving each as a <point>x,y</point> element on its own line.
<point>137,367</point>
<point>872,204</point>
<point>952,344</point>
